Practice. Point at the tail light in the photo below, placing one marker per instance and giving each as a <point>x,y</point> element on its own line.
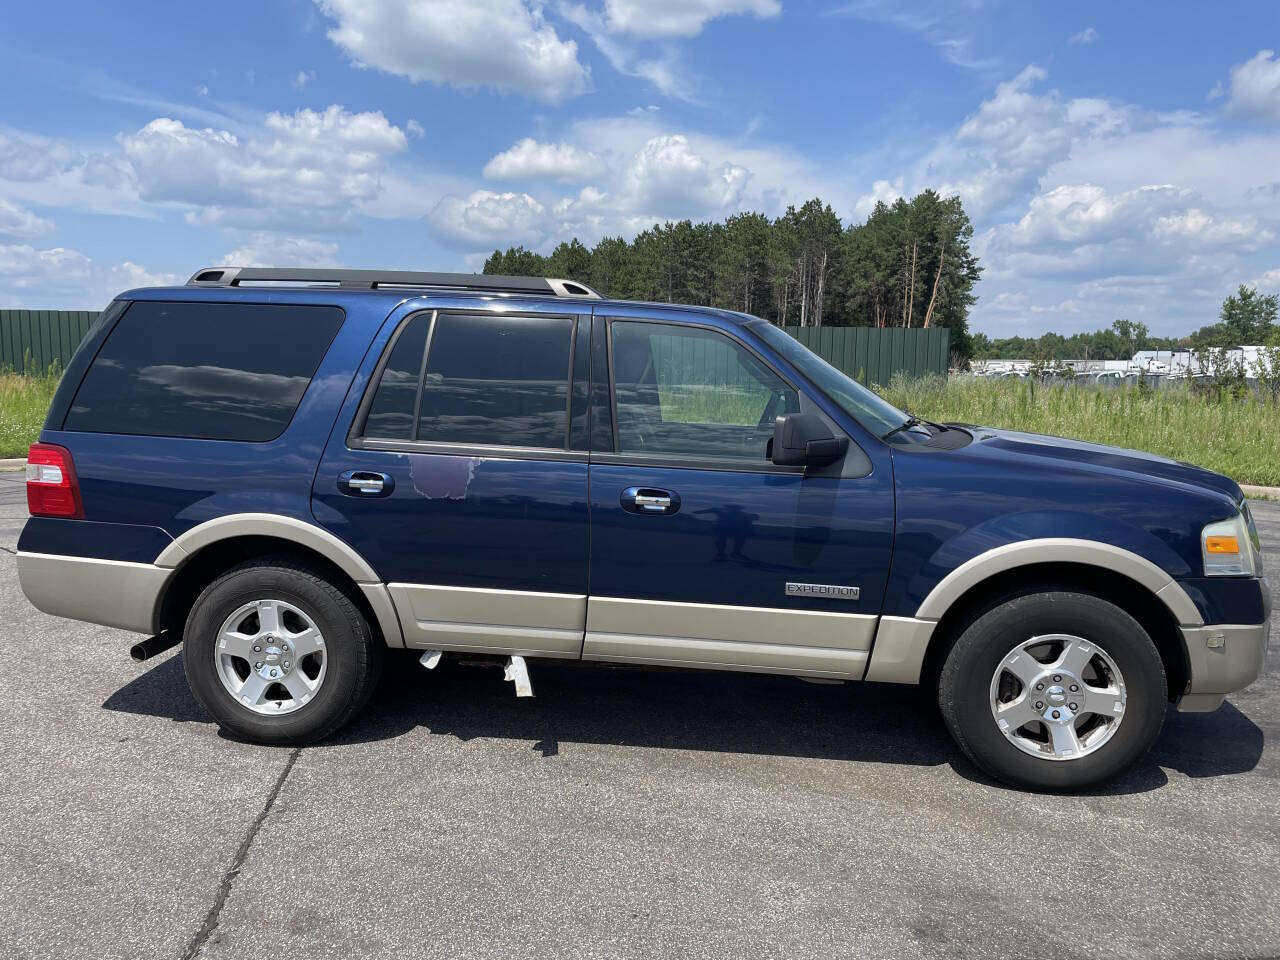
<point>52,487</point>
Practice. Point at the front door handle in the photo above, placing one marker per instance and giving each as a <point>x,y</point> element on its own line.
<point>365,483</point>
<point>650,501</point>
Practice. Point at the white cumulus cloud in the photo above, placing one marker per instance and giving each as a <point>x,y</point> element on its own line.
<point>652,178</point>
<point>668,178</point>
<point>305,170</point>
<point>531,160</point>
<point>485,220</point>
<point>997,157</point>
<point>1255,88</point>
<point>271,250</point>
<point>60,279</point>
<point>621,30</point>
<point>882,191</point>
<point>1088,209</point>
<point>19,223</point>
<point>504,45</point>
<point>1268,281</point>
<point>34,158</point>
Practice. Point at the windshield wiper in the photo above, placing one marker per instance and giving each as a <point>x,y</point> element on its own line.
<point>910,422</point>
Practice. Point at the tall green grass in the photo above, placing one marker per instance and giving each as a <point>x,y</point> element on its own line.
<point>1240,438</point>
<point>24,401</point>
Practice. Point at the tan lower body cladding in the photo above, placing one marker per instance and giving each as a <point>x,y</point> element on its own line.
<point>490,621</point>
<point>661,633</point>
<point>715,636</point>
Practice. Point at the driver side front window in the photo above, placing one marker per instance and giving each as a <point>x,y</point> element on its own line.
<point>693,392</point>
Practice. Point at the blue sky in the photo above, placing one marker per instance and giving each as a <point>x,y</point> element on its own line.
<point>1118,160</point>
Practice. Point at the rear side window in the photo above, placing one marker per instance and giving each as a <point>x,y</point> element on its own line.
<point>211,371</point>
<point>489,380</point>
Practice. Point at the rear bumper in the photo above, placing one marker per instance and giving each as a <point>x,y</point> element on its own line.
<point>113,593</point>
<point>116,593</point>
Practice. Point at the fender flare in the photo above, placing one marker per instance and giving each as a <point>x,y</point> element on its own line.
<point>308,535</point>
<point>268,525</point>
<point>1092,553</point>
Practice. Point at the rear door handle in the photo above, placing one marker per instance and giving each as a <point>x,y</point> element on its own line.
<point>365,483</point>
<point>647,500</point>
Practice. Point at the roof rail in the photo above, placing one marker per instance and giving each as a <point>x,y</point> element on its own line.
<point>374,279</point>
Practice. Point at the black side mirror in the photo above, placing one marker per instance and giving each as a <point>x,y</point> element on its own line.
<point>805,440</point>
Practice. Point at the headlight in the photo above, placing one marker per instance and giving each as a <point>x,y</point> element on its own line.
<point>1254,539</point>
<point>1228,548</point>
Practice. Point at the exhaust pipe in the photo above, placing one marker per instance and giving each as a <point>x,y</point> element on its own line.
<point>148,648</point>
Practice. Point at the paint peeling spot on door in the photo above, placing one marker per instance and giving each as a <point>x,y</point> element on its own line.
<point>442,478</point>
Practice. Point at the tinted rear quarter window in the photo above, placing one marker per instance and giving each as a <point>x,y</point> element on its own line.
<point>489,380</point>
<point>500,380</point>
<point>211,371</point>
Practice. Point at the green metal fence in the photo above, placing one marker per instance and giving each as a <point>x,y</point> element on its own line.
<point>874,355</point>
<point>32,341</point>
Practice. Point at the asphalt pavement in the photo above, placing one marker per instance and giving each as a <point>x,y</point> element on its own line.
<point>617,814</point>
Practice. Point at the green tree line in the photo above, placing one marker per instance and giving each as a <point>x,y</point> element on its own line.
<point>1120,341</point>
<point>1246,318</point>
<point>907,265</point>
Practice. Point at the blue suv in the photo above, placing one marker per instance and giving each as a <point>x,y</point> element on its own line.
<point>290,471</point>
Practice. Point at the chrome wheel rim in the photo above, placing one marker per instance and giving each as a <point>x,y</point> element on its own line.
<point>1058,697</point>
<point>270,657</point>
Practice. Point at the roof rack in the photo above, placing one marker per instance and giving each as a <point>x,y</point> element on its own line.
<point>375,279</point>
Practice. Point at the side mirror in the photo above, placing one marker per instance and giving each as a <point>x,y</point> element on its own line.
<point>805,440</point>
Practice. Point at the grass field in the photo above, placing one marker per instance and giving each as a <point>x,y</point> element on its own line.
<point>1238,438</point>
<point>23,403</point>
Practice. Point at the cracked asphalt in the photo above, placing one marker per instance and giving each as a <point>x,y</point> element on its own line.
<point>617,814</point>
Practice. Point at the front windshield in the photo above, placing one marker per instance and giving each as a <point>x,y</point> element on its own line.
<point>875,414</point>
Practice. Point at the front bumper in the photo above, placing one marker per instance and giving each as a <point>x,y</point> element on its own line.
<point>1224,658</point>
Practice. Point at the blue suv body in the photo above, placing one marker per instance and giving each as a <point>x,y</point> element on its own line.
<point>290,471</point>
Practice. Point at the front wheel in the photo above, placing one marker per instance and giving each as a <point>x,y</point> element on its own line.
<point>1054,691</point>
<point>278,654</point>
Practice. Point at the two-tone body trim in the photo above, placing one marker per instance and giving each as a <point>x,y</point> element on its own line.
<point>114,593</point>
<point>902,642</point>
<point>520,622</point>
<point>269,525</point>
<point>302,533</point>
<point>715,636</point>
<point>1224,658</point>
<point>1059,550</point>
<point>900,648</point>
<point>127,595</point>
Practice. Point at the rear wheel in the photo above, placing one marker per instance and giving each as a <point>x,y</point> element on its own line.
<point>1054,691</point>
<point>278,654</point>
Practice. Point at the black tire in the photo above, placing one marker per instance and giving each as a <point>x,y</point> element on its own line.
<point>964,688</point>
<point>353,655</point>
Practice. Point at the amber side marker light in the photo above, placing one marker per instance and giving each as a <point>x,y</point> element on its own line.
<point>1221,545</point>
